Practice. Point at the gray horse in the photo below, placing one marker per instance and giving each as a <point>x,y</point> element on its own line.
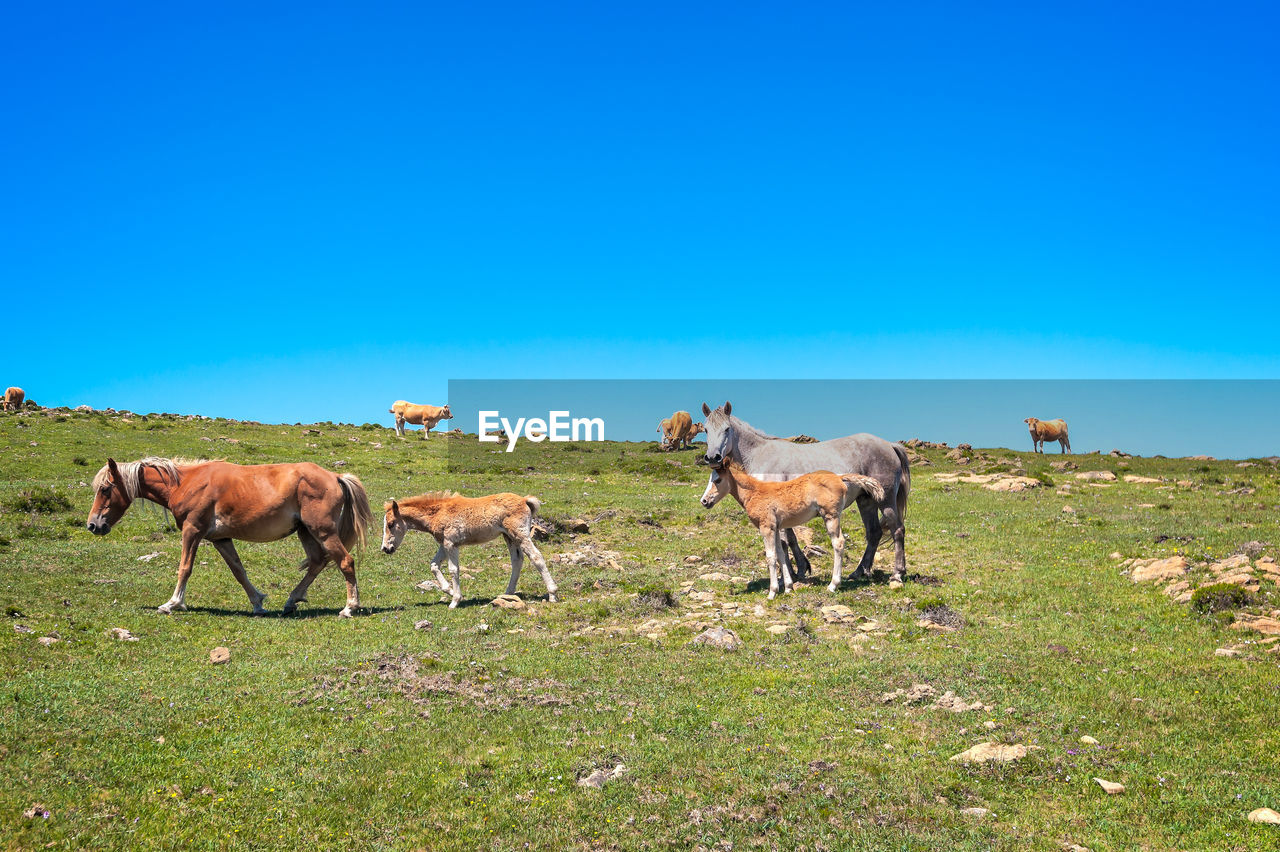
<point>778,460</point>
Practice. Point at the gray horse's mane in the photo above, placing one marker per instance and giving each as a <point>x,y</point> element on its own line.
<point>738,423</point>
<point>131,472</point>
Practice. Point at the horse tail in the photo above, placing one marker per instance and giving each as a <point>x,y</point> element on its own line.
<point>353,526</point>
<point>534,504</point>
<point>867,484</point>
<point>904,487</point>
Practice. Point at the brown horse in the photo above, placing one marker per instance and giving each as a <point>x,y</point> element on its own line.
<point>454,520</point>
<point>775,507</point>
<point>220,501</point>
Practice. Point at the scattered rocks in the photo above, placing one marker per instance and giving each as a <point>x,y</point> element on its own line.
<point>917,693</point>
<point>954,703</point>
<point>119,633</point>
<point>692,559</point>
<point>148,557</point>
<point>1096,476</point>
<point>1265,625</point>
<point>991,753</point>
<point>220,655</point>
<point>1067,510</point>
<point>36,810</point>
<point>718,637</point>
<point>977,813</point>
<point>1141,480</point>
<point>1111,788</point>
<point>715,577</point>
<point>1088,740</point>
<point>1265,815</point>
<point>575,525</point>
<point>1226,652</point>
<point>600,777</point>
<point>509,602</point>
<point>47,641</point>
<point>778,629</point>
<point>992,481</point>
<point>424,624</point>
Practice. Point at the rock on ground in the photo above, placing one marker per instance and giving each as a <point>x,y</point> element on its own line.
<point>718,637</point>
<point>1110,787</point>
<point>220,655</point>
<point>600,777</point>
<point>511,602</point>
<point>121,634</point>
<point>1171,568</point>
<point>1264,815</point>
<point>990,752</point>
<point>1097,476</point>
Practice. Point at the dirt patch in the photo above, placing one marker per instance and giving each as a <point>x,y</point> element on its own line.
<point>418,679</point>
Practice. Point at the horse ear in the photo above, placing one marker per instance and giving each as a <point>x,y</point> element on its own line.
<point>706,410</point>
<point>728,407</point>
<point>395,509</point>
<point>115,471</point>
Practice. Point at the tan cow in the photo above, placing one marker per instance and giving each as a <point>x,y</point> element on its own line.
<point>426,416</point>
<point>679,430</point>
<point>1048,430</point>
<point>13,398</point>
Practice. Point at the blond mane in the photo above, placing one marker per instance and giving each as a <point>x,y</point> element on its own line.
<point>131,473</point>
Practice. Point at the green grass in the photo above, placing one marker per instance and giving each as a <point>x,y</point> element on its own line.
<point>367,733</point>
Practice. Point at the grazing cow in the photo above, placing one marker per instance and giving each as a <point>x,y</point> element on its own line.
<point>777,506</point>
<point>426,416</point>
<point>679,430</point>
<point>454,520</point>
<point>1048,430</point>
<point>13,398</point>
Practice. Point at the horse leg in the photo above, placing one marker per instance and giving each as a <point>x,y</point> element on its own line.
<point>399,426</point>
<point>871,525</point>
<point>313,566</point>
<point>190,541</point>
<point>785,568</point>
<point>899,532</point>
<point>229,555</point>
<point>535,556</point>
<point>436,561</point>
<point>336,553</point>
<point>455,592</point>
<point>517,560</point>
<point>771,556</point>
<point>802,561</point>
<point>837,545</point>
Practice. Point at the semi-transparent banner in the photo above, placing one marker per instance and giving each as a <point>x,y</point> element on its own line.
<point>1225,419</point>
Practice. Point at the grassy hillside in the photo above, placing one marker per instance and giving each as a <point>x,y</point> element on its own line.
<point>473,731</point>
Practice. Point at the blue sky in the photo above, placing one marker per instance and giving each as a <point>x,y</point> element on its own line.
<point>305,211</point>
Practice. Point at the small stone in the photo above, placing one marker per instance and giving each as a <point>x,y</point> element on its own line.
<point>1097,476</point>
<point>47,641</point>
<point>714,577</point>
<point>895,584</point>
<point>990,752</point>
<point>979,813</point>
<point>1264,815</point>
<point>220,655</point>
<point>1141,480</point>
<point>989,725</point>
<point>1116,555</point>
<point>1088,740</point>
<point>600,777</point>
<point>148,557</point>
<point>778,629</point>
<point>837,614</point>
<point>511,602</point>
<point>1111,788</point>
<point>121,634</point>
<point>1171,568</point>
<point>718,637</point>
<point>692,559</point>
<point>1226,652</point>
<point>576,525</point>
<point>424,624</point>
<point>36,810</point>
<point>1067,510</point>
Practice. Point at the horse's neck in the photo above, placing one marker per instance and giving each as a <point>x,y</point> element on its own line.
<point>153,485</point>
<point>749,439</point>
<point>742,485</point>
<point>421,515</point>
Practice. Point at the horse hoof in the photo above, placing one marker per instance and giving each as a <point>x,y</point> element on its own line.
<point>453,604</point>
<point>832,588</point>
<point>552,597</point>
<point>345,613</point>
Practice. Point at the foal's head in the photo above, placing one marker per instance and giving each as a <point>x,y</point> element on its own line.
<point>394,527</point>
<point>112,496</point>
<point>719,429</point>
<point>717,486</point>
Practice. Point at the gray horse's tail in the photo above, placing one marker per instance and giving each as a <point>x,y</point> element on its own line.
<point>904,487</point>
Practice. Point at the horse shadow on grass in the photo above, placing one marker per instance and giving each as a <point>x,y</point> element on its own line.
<point>298,614</point>
<point>877,578</point>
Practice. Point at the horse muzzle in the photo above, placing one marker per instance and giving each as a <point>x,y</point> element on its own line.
<point>98,527</point>
<point>388,549</point>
